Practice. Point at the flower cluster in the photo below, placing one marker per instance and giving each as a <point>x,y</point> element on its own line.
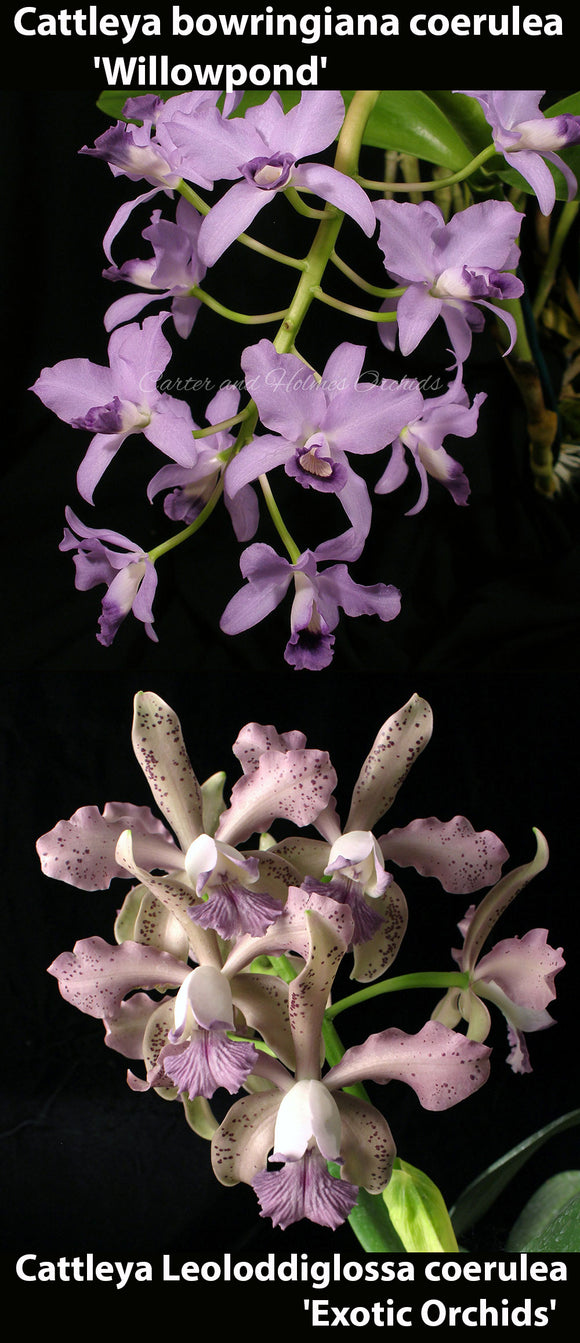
<point>225,955</point>
<point>313,423</point>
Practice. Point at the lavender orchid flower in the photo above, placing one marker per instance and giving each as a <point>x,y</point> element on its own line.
<point>207,882</point>
<point>516,975</point>
<point>305,1120</point>
<point>262,148</point>
<point>195,484</point>
<point>169,273</point>
<point>451,270</point>
<point>461,858</point>
<point>147,150</point>
<point>525,137</point>
<point>317,424</point>
<point>119,400</point>
<point>422,438</point>
<point>317,600</point>
<point>127,571</point>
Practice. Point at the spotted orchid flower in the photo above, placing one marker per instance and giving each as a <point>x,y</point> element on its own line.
<point>317,425</point>
<point>450,270</point>
<point>305,1119</point>
<point>207,880</point>
<point>169,274</point>
<point>526,137</point>
<point>422,441</point>
<point>103,556</point>
<point>517,975</point>
<point>261,151</point>
<point>121,399</point>
<point>318,598</point>
<point>462,859</point>
<point>182,1035</point>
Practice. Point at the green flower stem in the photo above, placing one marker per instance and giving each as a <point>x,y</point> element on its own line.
<point>278,520</point>
<point>363,284</point>
<point>567,217</point>
<point>429,979</point>
<point>346,161</point>
<point>353,312</point>
<point>301,207</point>
<point>204,209</point>
<point>244,318</point>
<point>470,168</point>
<point>223,424</point>
<point>198,522</point>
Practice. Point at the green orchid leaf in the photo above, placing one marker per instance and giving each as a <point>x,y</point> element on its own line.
<point>541,1211</point>
<point>483,1191</point>
<point>417,1211</point>
<point>562,1235</point>
<point>410,121</point>
<point>466,116</point>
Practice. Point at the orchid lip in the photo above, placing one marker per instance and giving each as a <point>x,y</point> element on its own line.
<point>269,174</point>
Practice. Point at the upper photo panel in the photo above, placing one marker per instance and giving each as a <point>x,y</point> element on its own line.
<point>294,380</point>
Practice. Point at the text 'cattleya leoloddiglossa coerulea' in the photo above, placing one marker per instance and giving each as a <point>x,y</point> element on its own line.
<point>342,424</point>
<point>222,976</point>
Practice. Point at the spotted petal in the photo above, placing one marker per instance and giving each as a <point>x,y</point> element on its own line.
<point>398,744</point>
<point>461,858</point>
<point>440,1065</point>
<point>161,752</point>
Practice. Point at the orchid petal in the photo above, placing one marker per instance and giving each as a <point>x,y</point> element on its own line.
<point>372,958</point>
<point>308,993</point>
<point>523,969</point>
<point>497,900</point>
<point>263,1000</point>
<point>461,858</point>
<point>440,1065</point>
<point>160,749</point>
<point>95,976</point>
<point>81,851</point>
<point>240,1147</point>
<point>398,744</point>
<point>304,1188</point>
<point>367,1145</point>
<point>295,785</point>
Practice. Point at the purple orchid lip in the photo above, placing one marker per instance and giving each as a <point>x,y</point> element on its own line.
<point>106,419</point>
<point>313,465</point>
<point>269,174</point>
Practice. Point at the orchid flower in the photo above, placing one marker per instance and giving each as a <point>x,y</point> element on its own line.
<point>147,151</point>
<point>461,858</point>
<point>451,270</point>
<point>516,975</point>
<point>304,1120</point>
<point>182,1038</point>
<point>170,273</point>
<point>90,849</point>
<point>127,571</point>
<point>195,484</point>
<point>525,137</point>
<point>119,400</point>
<point>422,438</point>
<point>262,148</point>
<point>317,424</point>
<point>317,599</point>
